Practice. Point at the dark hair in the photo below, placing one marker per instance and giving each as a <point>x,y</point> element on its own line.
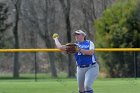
<point>85,38</point>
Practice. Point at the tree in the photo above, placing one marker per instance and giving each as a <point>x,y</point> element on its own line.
<point>119,27</point>
<point>46,37</point>
<point>66,11</point>
<point>3,25</point>
<point>40,26</point>
<point>16,4</point>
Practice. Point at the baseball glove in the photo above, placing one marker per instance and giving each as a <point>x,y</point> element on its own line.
<point>71,48</point>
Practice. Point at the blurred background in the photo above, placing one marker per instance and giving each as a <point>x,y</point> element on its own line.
<point>31,23</point>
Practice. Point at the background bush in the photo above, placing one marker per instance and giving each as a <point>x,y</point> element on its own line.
<point>119,27</point>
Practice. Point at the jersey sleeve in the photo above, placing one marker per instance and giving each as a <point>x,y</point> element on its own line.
<point>92,46</point>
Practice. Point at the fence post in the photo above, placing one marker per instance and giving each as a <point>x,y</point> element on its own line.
<point>135,65</point>
<point>35,64</point>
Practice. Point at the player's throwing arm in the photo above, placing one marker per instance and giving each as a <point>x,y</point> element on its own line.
<point>69,48</point>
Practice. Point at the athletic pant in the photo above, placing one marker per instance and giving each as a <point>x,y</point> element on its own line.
<point>86,77</point>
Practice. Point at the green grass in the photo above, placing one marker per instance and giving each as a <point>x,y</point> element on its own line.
<point>63,85</point>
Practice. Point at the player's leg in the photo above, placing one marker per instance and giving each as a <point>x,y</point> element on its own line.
<point>90,76</point>
<point>80,79</point>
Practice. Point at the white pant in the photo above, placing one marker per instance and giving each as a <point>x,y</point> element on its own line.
<point>86,77</point>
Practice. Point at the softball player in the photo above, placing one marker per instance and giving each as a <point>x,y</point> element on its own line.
<point>87,67</point>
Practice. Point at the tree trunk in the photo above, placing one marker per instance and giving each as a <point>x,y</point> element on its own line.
<point>52,64</point>
<point>15,32</point>
<point>71,72</point>
<point>66,11</point>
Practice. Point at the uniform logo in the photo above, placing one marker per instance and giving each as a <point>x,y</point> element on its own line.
<point>84,46</point>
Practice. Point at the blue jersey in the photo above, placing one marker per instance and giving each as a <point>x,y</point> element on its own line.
<point>82,59</point>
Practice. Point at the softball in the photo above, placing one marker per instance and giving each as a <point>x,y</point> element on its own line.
<point>55,35</point>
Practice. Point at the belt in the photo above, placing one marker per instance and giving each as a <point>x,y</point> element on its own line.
<point>83,66</point>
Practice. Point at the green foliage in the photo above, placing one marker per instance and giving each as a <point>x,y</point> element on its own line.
<point>119,27</point>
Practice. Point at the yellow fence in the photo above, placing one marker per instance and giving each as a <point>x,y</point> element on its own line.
<point>58,50</point>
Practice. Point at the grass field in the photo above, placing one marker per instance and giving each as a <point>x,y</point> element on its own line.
<point>68,86</point>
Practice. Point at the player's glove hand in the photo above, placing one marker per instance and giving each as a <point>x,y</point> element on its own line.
<point>71,48</point>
